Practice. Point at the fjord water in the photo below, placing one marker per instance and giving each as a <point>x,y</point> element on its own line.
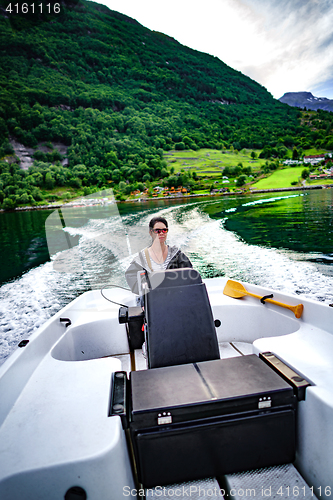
<point>279,240</point>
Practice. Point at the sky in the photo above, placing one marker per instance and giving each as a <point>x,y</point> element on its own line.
<point>285,45</point>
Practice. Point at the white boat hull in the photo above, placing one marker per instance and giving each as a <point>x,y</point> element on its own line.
<point>55,432</point>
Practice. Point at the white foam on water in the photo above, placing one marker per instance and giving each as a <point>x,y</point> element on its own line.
<point>106,247</point>
<point>210,245</point>
<point>26,303</point>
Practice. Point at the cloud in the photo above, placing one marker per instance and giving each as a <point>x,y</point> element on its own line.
<point>298,43</point>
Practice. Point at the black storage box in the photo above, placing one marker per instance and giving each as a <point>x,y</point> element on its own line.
<point>210,418</point>
<point>180,324</point>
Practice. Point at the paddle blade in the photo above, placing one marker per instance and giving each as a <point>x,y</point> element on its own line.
<point>298,310</point>
<point>234,289</point>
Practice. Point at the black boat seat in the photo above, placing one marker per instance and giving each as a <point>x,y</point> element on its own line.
<point>180,324</point>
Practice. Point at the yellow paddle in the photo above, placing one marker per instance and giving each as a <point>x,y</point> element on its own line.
<point>237,290</point>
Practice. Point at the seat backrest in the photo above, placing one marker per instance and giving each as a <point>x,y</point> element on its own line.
<point>180,324</point>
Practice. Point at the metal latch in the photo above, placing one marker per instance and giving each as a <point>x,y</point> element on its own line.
<point>264,402</point>
<point>164,418</point>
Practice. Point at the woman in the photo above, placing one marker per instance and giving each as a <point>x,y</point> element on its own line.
<point>158,256</point>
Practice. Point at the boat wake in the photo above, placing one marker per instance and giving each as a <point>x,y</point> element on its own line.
<point>106,245</point>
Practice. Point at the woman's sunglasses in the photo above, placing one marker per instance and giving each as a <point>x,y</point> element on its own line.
<point>159,230</point>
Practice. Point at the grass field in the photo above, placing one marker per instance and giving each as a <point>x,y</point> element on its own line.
<point>284,177</point>
<point>210,162</point>
<point>319,182</point>
<point>280,178</point>
<point>314,151</point>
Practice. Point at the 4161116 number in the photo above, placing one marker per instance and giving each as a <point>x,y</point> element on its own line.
<point>33,8</point>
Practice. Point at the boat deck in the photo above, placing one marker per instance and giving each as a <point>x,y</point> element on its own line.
<point>227,350</point>
<point>282,482</point>
<point>60,394</point>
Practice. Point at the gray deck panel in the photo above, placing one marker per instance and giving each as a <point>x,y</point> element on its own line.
<point>227,351</point>
<point>140,360</point>
<point>282,482</point>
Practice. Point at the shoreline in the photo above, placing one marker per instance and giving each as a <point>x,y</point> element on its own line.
<point>182,197</point>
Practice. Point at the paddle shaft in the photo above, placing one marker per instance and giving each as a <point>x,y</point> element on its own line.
<point>270,300</point>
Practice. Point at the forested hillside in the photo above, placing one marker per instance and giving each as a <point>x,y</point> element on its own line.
<point>118,95</point>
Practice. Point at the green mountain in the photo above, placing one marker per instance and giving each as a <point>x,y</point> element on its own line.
<point>118,95</point>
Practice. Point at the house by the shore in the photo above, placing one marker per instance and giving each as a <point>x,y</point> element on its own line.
<point>315,159</point>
